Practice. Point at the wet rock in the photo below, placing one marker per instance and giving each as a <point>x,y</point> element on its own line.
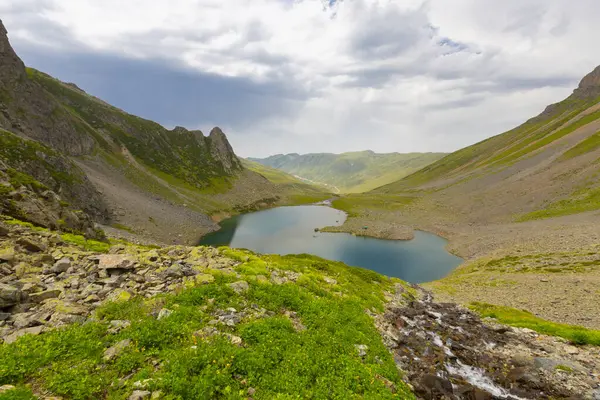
<point>45,295</point>
<point>114,351</point>
<point>164,313</point>
<point>31,245</point>
<point>434,386</point>
<point>61,265</point>
<point>239,287</point>
<point>139,395</point>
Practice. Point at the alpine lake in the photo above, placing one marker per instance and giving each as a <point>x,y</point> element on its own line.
<point>291,230</point>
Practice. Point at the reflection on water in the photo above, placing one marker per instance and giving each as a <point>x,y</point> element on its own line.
<point>290,230</point>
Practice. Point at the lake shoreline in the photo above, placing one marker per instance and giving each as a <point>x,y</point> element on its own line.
<point>414,256</point>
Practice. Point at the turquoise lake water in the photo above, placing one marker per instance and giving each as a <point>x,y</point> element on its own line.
<point>290,230</point>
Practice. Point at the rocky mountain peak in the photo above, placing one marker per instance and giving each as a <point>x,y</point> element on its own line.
<point>590,84</point>
<point>11,66</point>
<point>222,151</point>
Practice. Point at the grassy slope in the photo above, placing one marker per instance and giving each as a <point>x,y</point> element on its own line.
<point>524,319</point>
<point>277,360</point>
<point>502,150</point>
<point>352,172</point>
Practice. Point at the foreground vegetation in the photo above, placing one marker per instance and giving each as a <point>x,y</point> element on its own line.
<point>300,336</point>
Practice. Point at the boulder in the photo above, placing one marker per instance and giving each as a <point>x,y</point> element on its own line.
<point>115,262</point>
<point>31,245</point>
<point>139,395</point>
<point>61,266</point>
<point>4,231</point>
<point>9,295</point>
<point>45,295</point>
<point>36,330</point>
<point>117,325</point>
<point>239,287</point>
<point>114,351</point>
<point>164,313</point>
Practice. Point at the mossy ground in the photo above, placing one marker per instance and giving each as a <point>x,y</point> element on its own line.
<point>276,359</point>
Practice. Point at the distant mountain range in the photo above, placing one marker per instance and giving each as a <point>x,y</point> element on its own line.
<point>350,172</point>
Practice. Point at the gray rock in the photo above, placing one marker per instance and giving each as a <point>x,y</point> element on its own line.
<point>361,349</point>
<point>41,296</point>
<point>31,245</point>
<point>4,316</point>
<point>164,313</point>
<point>4,231</point>
<point>115,262</point>
<point>25,320</point>
<point>173,271</point>
<point>9,295</point>
<point>239,287</point>
<point>139,395</point>
<point>117,325</point>
<point>329,280</point>
<point>113,352</point>
<point>61,265</point>
<point>36,330</point>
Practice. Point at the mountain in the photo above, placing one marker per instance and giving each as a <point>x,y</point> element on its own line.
<point>350,172</point>
<point>119,169</point>
<point>543,168</point>
<point>522,208</point>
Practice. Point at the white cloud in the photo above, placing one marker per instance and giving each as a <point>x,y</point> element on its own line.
<point>381,74</point>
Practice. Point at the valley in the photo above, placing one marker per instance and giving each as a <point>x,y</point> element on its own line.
<point>140,262</point>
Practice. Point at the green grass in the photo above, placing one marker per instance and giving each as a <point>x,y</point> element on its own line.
<point>122,227</point>
<point>524,319</point>
<point>587,199</point>
<point>276,360</point>
<point>86,244</point>
<point>586,146</point>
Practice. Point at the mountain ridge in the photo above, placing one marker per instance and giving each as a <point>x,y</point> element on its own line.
<point>163,184</point>
<point>351,171</point>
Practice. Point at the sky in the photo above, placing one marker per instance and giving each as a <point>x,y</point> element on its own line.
<point>283,76</point>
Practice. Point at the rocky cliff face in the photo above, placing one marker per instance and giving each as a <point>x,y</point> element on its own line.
<point>27,109</point>
<point>589,85</point>
<point>222,151</point>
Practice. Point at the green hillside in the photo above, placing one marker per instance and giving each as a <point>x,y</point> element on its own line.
<point>350,172</point>
<point>501,151</point>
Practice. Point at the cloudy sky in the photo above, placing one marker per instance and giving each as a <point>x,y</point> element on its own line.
<point>303,76</point>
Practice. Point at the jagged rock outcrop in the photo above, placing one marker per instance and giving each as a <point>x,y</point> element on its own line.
<point>222,151</point>
<point>589,86</point>
<point>27,109</point>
